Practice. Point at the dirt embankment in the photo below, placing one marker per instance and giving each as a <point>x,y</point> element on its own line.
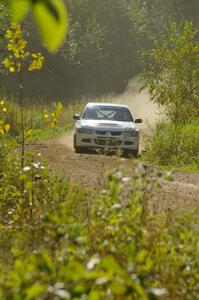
<point>90,170</point>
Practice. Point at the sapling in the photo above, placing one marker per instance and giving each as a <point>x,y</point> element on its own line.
<point>19,60</point>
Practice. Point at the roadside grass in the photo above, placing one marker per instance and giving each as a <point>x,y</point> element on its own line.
<point>60,241</point>
<point>34,118</point>
<point>189,168</point>
<point>171,146</point>
<point>174,146</point>
<point>45,134</point>
<point>34,122</point>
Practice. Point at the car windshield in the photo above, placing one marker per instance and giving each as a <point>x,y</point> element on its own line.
<point>111,113</point>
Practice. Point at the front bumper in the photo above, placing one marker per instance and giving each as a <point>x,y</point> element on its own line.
<point>94,141</point>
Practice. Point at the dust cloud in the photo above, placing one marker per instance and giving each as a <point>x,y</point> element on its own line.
<point>66,139</point>
<point>140,104</point>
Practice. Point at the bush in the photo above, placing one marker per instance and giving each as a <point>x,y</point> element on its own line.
<point>59,241</point>
<point>35,122</point>
<point>171,71</point>
<point>175,145</point>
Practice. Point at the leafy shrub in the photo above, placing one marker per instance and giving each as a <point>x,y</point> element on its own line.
<point>171,72</point>
<point>175,145</point>
<point>62,242</point>
<point>35,122</point>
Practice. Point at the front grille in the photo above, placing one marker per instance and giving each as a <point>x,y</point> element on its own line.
<point>86,140</point>
<point>100,132</point>
<point>114,133</point>
<point>128,143</point>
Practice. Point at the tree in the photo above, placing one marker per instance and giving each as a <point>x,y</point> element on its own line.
<point>17,60</point>
<point>187,10</point>
<point>101,51</point>
<point>172,72</point>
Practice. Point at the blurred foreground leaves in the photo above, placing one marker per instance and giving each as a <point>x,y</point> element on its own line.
<point>50,16</point>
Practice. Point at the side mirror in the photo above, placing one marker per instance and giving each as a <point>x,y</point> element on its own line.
<point>138,121</point>
<point>76,117</point>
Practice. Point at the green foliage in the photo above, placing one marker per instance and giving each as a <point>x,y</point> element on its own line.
<point>52,117</point>
<point>100,46</point>
<point>86,246</point>
<point>172,73</point>
<point>35,124</point>
<point>175,145</point>
<point>101,52</point>
<point>105,38</point>
<point>4,127</point>
<point>50,16</point>
<point>4,14</point>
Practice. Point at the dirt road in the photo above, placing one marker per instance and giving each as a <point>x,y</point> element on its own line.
<point>90,170</point>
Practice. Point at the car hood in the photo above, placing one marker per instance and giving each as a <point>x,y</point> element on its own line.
<point>106,124</point>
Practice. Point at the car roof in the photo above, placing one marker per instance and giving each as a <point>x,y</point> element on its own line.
<point>106,104</point>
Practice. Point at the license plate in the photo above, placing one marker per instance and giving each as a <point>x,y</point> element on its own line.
<point>108,142</point>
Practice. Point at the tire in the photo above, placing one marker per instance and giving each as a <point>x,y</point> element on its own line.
<point>131,153</point>
<point>76,148</point>
<point>80,150</point>
<point>135,153</point>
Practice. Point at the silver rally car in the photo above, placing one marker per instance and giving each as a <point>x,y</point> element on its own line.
<point>106,125</point>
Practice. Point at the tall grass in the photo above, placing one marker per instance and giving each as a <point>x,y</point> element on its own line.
<point>34,119</point>
<point>175,145</point>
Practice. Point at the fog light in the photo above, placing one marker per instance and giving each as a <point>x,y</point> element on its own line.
<point>132,133</point>
<point>86,140</point>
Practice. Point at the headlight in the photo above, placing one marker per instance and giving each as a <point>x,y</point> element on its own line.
<point>132,133</point>
<point>85,130</point>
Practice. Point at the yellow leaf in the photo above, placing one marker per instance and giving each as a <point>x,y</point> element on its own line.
<point>7,62</point>
<point>34,55</point>
<point>7,127</point>
<point>12,69</point>
<point>46,116</point>
<point>8,34</point>
<point>28,132</point>
<point>27,54</point>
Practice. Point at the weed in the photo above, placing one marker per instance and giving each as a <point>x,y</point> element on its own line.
<point>175,145</point>
<point>52,248</point>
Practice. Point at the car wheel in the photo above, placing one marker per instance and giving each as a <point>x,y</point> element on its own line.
<point>78,149</point>
<point>131,153</point>
<point>135,152</point>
